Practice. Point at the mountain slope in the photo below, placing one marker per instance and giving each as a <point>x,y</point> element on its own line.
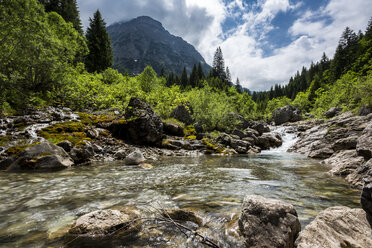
<point>144,41</point>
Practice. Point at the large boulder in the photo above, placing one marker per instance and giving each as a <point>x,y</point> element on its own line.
<point>173,129</point>
<point>364,145</point>
<point>144,126</point>
<point>332,112</point>
<point>105,222</point>
<point>267,140</point>
<point>183,114</point>
<point>287,114</point>
<point>337,227</point>
<point>366,197</point>
<point>43,156</point>
<point>236,120</point>
<point>268,223</point>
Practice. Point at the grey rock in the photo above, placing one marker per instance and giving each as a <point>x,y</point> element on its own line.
<point>104,222</point>
<point>224,139</point>
<point>365,111</point>
<point>43,156</point>
<point>286,114</point>
<point>356,178</point>
<point>135,158</point>
<point>337,227</point>
<point>364,145</point>
<point>344,162</point>
<point>346,143</point>
<point>366,197</point>
<point>239,133</point>
<point>237,121</point>
<point>259,127</point>
<point>333,112</point>
<point>267,141</point>
<point>268,223</point>
<point>83,153</point>
<point>121,154</point>
<point>66,145</point>
<point>183,114</point>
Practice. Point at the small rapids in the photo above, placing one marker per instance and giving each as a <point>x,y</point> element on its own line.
<point>289,138</point>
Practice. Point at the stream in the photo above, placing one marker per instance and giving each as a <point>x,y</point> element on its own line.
<point>36,209</point>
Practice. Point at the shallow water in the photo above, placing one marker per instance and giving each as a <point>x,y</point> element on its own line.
<point>38,208</point>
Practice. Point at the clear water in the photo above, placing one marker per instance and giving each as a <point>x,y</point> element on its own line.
<point>36,209</point>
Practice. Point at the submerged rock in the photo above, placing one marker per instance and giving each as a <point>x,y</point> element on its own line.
<point>337,227</point>
<point>286,114</point>
<point>104,222</point>
<point>268,223</point>
<point>44,156</point>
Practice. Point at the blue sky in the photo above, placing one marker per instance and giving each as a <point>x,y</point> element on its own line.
<point>264,42</point>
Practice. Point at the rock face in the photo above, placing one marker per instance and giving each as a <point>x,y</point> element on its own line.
<point>268,222</point>
<point>183,114</point>
<point>366,197</point>
<point>143,41</point>
<point>44,156</point>
<point>333,112</point>
<point>172,129</point>
<point>144,126</point>
<point>340,142</point>
<point>364,145</point>
<point>103,222</point>
<point>337,227</point>
<point>287,114</point>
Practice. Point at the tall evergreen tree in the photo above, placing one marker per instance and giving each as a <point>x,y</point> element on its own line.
<point>228,75</point>
<point>218,68</point>
<point>100,52</point>
<point>184,79</point>
<point>238,87</point>
<point>201,75</point>
<point>194,76</point>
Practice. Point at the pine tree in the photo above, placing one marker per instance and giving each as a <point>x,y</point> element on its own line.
<point>228,75</point>
<point>218,69</point>
<point>194,76</point>
<point>201,75</point>
<point>100,52</point>
<point>184,79</point>
<point>238,87</point>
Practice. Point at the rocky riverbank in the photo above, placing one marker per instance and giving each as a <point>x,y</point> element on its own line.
<point>57,138</point>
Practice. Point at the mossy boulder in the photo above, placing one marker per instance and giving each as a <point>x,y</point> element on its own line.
<point>43,156</point>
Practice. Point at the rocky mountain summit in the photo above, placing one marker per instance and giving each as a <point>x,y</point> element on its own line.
<point>144,41</point>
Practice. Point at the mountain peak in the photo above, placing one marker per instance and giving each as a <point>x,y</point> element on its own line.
<point>144,41</point>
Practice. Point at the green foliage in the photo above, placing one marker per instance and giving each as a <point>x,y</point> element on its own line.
<point>100,55</point>
<point>277,103</point>
<point>36,49</point>
<point>302,101</point>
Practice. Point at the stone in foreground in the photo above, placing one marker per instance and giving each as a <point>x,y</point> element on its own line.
<point>268,223</point>
<point>104,222</point>
<point>337,227</point>
<point>44,156</point>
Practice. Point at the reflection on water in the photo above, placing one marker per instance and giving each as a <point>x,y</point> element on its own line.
<point>37,208</point>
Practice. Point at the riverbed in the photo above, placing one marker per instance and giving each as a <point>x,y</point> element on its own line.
<point>36,209</point>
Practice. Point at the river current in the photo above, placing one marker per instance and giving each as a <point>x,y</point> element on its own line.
<point>36,209</point>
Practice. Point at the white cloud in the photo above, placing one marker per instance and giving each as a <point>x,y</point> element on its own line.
<point>200,23</point>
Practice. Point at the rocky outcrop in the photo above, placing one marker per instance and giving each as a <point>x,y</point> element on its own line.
<point>183,114</point>
<point>364,145</point>
<point>340,142</point>
<point>266,141</point>
<point>337,227</point>
<point>44,156</point>
<point>105,222</point>
<point>332,112</point>
<point>287,114</point>
<point>144,126</point>
<point>268,223</point>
